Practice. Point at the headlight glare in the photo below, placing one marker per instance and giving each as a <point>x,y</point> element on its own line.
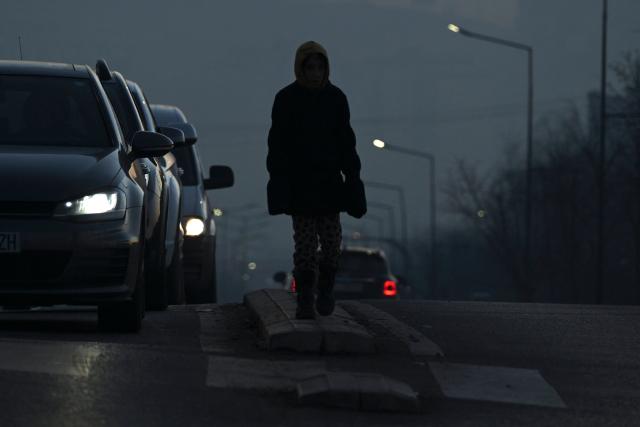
<point>97,204</point>
<point>194,227</point>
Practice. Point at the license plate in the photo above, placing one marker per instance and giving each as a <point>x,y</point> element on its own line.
<point>9,242</point>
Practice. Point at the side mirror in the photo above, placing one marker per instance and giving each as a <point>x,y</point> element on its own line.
<point>150,144</point>
<point>190,134</point>
<point>219,177</point>
<point>280,277</point>
<point>175,135</point>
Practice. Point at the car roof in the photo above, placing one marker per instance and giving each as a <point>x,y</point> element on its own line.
<point>363,250</point>
<point>36,68</point>
<point>166,114</point>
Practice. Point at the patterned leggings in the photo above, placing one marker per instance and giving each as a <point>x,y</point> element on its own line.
<point>307,231</point>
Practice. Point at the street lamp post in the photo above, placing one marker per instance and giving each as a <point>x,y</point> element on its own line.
<point>402,205</point>
<point>392,216</point>
<point>244,218</point>
<point>390,210</point>
<point>379,222</point>
<point>601,159</point>
<point>529,50</point>
<point>432,162</point>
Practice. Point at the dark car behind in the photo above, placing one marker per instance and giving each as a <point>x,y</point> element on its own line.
<point>364,273</point>
<point>197,212</point>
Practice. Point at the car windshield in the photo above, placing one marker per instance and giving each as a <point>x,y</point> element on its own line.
<point>51,111</point>
<point>357,264</point>
<point>186,161</point>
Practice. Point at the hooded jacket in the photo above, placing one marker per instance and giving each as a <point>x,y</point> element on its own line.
<point>313,165</point>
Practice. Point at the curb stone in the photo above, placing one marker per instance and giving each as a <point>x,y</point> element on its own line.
<point>274,310</point>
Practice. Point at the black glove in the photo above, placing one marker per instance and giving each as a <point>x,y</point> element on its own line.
<point>355,200</point>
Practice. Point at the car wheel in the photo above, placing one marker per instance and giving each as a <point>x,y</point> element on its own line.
<point>157,294</point>
<point>175,275</point>
<point>125,316</point>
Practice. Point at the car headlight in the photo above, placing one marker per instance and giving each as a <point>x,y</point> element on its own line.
<point>194,227</point>
<point>107,204</point>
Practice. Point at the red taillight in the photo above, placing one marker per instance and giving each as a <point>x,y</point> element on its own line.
<point>390,289</point>
<point>293,285</point>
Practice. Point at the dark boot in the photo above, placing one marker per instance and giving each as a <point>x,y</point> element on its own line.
<point>325,303</point>
<point>305,283</point>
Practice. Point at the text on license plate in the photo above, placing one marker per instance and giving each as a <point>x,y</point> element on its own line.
<point>9,242</point>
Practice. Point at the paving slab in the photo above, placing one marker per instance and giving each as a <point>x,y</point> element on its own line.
<point>495,384</point>
<point>274,310</point>
<point>358,391</point>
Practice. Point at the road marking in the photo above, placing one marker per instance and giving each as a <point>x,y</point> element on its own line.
<point>495,384</point>
<point>418,344</point>
<point>258,374</point>
<point>61,358</point>
<point>211,322</point>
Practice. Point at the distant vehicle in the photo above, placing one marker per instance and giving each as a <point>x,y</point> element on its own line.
<point>363,273</point>
<point>74,209</point>
<point>199,261</point>
<point>161,202</point>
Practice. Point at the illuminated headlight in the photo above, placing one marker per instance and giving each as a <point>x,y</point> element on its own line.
<point>111,204</point>
<point>194,227</point>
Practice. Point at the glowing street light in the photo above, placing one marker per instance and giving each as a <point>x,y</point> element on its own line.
<point>454,28</point>
<point>378,143</point>
<point>252,266</point>
<point>218,212</point>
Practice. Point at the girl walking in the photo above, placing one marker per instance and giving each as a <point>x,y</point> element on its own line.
<point>314,174</point>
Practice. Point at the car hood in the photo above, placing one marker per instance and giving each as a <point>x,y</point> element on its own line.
<point>55,173</point>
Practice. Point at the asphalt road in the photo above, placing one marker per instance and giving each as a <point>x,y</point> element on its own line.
<point>58,370</point>
<point>589,355</point>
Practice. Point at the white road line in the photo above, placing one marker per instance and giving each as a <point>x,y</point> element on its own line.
<point>61,358</point>
<point>495,384</point>
<point>258,374</point>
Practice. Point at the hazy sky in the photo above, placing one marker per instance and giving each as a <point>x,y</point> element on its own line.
<point>408,79</point>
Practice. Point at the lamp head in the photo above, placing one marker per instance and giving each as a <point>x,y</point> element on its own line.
<point>454,28</point>
<point>378,143</point>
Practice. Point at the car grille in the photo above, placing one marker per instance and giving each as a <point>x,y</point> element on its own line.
<point>100,267</point>
<point>93,267</point>
<point>29,209</point>
<point>29,266</point>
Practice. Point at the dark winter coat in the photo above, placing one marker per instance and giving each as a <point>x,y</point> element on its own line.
<point>312,161</point>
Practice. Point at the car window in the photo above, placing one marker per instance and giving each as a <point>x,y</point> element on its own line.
<point>53,111</point>
<point>143,111</point>
<point>119,101</point>
<point>360,264</point>
<point>186,161</point>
